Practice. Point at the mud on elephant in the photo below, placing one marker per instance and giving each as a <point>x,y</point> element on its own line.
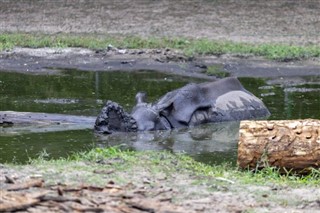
<point>191,105</point>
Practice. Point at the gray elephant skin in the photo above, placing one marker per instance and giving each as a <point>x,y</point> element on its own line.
<point>191,105</point>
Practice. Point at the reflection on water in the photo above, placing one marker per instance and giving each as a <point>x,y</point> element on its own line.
<point>294,97</point>
<point>76,92</point>
<point>210,139</point>
<point>83,93</point>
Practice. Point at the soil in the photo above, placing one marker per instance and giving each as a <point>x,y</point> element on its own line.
<point>286,21</point>
<point>104,186</point>
<point>242,20</point>
<point>50,60</point>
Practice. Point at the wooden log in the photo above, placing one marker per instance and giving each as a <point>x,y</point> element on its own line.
<point>42,122</point>
<point>291,145</point>
<point>23,118</point>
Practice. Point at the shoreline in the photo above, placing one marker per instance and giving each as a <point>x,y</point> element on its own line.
<point>49,60</point>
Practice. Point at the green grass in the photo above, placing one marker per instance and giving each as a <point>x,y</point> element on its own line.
<point>191,47</point>
<point>168,163</point>
<point>216,70</point>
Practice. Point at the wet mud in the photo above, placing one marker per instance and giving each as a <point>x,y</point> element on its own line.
<point>50,60</point>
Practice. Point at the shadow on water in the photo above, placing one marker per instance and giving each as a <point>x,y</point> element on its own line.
<point>83,93</point>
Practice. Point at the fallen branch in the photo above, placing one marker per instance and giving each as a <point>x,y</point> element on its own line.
<point>26,185</point>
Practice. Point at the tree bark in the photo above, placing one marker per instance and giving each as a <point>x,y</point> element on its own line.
<point>291,145</point>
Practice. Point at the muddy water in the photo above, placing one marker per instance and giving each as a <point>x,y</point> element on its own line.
<point>83,93</point>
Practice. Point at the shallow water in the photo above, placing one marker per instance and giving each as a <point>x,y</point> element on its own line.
<point>83,93</point>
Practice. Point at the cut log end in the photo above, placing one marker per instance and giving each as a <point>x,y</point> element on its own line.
<point>291,145</point>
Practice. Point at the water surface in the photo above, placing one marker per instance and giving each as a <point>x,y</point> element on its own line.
<point>83,93</point>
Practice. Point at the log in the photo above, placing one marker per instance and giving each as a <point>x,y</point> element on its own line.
<point>290,145</point>
<point>27,118</point>
<point>12,122</point>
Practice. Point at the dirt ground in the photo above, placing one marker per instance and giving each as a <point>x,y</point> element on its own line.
<point>104,186</point>
<point>285,21</point>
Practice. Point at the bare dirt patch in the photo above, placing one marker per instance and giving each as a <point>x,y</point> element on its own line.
<point>51,60</point>
<point>103,186</point>
<point>285,21</point>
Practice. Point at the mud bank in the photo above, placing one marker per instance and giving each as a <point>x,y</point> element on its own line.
<point>50,60</point>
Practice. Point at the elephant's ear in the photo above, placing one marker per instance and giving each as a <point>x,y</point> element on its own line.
<point>180,104</point>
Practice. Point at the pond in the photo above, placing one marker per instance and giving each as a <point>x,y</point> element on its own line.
<point>84,93</point>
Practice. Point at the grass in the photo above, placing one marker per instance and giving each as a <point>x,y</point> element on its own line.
<point>191,47</point>
<point>216,70</point>
<point>167,163</point>
<point>155,171</point>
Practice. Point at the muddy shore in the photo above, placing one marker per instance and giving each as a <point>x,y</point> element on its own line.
<point>49,60</point>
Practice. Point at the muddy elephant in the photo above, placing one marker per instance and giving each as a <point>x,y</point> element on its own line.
<point>191,105</point>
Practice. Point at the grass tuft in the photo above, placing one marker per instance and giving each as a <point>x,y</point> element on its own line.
<point>181,162</point>
<point>216,70</point>
<point>191,47</point>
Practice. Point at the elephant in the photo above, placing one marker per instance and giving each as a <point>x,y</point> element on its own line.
<point>194,104</point>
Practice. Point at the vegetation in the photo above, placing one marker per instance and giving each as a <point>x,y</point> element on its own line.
<point>163,162</point>
<point>217,70</point>
<point>280,52</point>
